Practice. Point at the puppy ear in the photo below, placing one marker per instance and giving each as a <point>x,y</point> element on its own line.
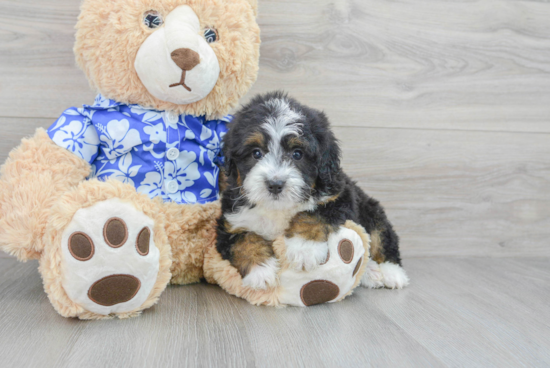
<point>229,166</point>
<point>329,181</point>
<point>228,162</point>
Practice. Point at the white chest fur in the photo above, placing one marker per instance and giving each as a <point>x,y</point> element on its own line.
<point>266,222</point>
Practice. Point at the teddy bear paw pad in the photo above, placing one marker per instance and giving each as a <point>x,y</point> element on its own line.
<point>110,260</point>
<point>332,279</point>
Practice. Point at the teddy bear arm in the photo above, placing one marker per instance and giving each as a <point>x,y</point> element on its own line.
<point>34,176</point>
<point>191,230</point>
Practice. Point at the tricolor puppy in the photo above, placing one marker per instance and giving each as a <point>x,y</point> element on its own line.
<point>284,178</point>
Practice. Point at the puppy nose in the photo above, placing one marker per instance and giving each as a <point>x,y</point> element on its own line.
<point>186,59</point>
<point>275,186</point>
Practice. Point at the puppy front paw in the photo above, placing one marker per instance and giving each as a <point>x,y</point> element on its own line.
<point>263,276</point>
<point>305,255</point>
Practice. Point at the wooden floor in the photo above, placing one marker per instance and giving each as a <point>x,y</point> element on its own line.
<point>443,113</point>
<point>462,312</point>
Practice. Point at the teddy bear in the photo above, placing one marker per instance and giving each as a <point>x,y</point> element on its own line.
<point>119,198</point>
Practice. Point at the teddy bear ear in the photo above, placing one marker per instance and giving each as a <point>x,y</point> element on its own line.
<point>254,5</point>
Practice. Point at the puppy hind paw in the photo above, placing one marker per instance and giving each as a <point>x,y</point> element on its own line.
<point>394,276</point>
<point>263,276</point>
<point>373,277</point>
<point>305,255</point>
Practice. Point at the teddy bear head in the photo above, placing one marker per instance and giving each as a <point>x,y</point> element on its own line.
<point>195,57</point>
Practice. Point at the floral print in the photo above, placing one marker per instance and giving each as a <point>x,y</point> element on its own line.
<point>77,137</point>
<point>159,153</point>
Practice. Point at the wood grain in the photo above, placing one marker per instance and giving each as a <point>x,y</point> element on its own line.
<point>475,65</point>
<point>471,65</point>
<point>456,193</point>
<point>475,312</point>
<point>38,73</point>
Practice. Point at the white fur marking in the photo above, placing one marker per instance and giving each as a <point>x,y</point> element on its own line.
<point>394,275</point>
<point>268,222</point>
<point>304,254</point>
<point>269,168</point>
<point>281,123</point>
<point>263,276</point>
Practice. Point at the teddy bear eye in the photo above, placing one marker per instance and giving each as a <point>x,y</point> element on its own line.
<point>211,35</point>
<point>152,19</point>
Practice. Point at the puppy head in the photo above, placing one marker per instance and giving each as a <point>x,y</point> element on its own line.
<point>194,57</point>
<point>280,153</point>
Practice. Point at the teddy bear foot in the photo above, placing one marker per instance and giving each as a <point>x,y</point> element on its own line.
<point>333,276</point>
<point>110,260</point>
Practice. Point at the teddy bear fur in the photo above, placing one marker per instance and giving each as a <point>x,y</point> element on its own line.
<point>43,186</point>
<point>104,26</point>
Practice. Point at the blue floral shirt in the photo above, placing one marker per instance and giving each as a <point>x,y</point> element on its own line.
<point>158,152</point>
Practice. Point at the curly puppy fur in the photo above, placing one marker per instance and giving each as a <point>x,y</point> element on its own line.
<point>110,33</point>
<point>275,139</point>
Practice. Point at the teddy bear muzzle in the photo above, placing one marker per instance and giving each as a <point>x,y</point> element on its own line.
<point>178,51</point>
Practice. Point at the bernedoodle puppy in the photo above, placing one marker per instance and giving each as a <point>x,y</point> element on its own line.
<point>284,178</point>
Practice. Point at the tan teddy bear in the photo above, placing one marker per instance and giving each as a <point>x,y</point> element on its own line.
<point>119,198</point>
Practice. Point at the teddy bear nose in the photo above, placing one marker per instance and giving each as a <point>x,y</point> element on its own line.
<point>186,59</point>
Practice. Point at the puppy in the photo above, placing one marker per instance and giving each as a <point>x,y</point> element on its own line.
<point>283,172</point>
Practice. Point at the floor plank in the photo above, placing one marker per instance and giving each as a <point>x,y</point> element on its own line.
<point>476,65</point>
<point>475,312</point>
<point>38,73</point>
<point>453,193</point>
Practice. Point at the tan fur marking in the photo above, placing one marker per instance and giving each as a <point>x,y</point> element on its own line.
<point>376,247</point>
<point>330,199</point>
<point>222,181</point>
<point>228,228</point>
<point>249,251</point>
<point>255,139</point>
<point>296,142</point>
<point>239,179</point>
<point>309,227</point>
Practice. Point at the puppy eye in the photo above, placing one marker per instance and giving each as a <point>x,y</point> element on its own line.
<point>152,19</point>
<point>211,35</point>
<point>297,155</point>
<point>257,154</point>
